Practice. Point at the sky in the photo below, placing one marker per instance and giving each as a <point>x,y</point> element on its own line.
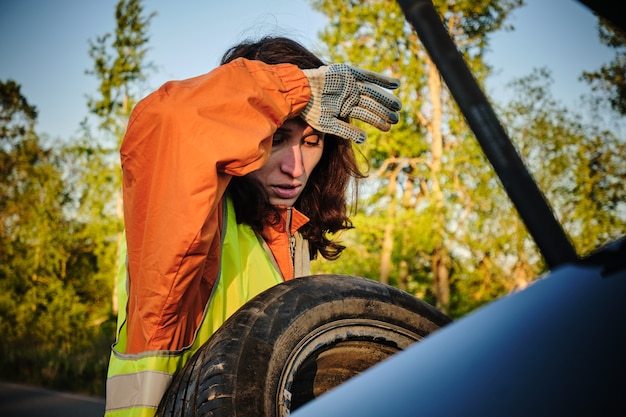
<point>44,45</point>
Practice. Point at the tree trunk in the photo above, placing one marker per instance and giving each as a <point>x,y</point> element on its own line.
<point>441,270</point>
<point>441,260</point>
<point>388,238</point>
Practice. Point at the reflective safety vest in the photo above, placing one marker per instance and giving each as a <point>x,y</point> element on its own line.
<point>136,382</point>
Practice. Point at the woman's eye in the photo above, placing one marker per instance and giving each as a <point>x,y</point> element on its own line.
<point>313,140</point>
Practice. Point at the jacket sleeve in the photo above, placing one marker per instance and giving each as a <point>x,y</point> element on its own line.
<point>183,143</point>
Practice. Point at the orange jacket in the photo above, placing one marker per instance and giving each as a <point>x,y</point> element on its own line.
<point>183,144</point>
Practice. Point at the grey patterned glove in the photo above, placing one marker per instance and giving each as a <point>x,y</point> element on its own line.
<point>341,91</point>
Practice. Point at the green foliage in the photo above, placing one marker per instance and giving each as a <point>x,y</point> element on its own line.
<point>60,225</point>
<point>610,79</point>
<point>49,300</point>
<point>433,207</point>
<point>120,66</point>
<point>51,341</point>
<point>580,167</point>
<point>418,200</point>
<point>16,117</point>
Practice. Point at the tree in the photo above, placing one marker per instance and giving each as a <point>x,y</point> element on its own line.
<point>419,193</point>
<point>579,166</point>
<point>119,64</point>
<point>611,78</point>
<point>48,302</point>
<point>60,225</point>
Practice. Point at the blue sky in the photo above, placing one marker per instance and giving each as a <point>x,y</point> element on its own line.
<point>44,45</point>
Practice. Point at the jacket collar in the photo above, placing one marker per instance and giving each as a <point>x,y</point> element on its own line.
<point>291,219</point>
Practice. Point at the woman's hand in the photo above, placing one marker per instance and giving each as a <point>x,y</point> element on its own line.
<point>339,91</point>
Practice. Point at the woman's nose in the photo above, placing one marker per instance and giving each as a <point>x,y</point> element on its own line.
<point>292,161</point>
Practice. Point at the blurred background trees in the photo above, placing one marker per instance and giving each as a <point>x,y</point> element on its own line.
<point>53,294</point>
<point>61,222</point>
<point>432,217</point>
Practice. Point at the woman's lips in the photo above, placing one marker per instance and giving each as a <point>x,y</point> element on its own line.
<point>286,192</point>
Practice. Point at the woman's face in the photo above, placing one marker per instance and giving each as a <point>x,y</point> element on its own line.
<point>296,150</point>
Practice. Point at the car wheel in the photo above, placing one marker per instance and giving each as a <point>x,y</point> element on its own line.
<point>294,342</point>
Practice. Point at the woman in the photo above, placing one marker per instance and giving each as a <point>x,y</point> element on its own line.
<point>232,183</point>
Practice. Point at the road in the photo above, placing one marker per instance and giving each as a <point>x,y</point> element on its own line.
<point>25,401</point>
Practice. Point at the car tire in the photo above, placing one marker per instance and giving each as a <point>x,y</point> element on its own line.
<point>294,342</point>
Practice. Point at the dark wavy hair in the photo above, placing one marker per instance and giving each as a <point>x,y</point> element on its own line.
<point>324,198</point>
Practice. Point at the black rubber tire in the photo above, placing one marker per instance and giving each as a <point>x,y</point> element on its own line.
<point>294,342</point>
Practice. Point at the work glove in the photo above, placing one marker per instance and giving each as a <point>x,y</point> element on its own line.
<point>339,91</point>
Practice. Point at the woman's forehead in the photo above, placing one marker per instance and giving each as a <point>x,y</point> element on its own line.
<point>297,124</point>
<point>294,123</point>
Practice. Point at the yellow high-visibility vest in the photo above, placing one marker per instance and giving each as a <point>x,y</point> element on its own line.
<point>137,382</point>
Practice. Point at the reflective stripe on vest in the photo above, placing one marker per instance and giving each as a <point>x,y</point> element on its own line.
<point>136,382</point>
